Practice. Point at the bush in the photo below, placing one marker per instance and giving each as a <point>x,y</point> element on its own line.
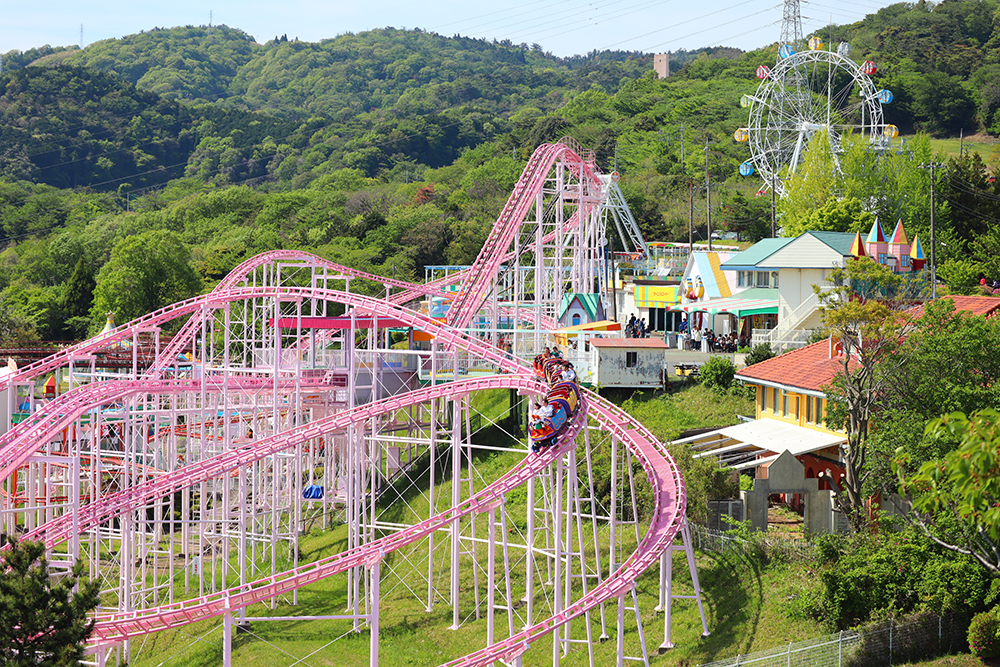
<point>984,634</point>
<point>758,353</point>
<point>717,373</point>
<point>892,574</point>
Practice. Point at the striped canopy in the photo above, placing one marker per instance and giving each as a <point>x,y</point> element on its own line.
<point>740,307</point>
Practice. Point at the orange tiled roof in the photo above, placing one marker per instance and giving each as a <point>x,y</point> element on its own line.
<point>812,368</point>
<point>809,367</point>
<point>987,306</point>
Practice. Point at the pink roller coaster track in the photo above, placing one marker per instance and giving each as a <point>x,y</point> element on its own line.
<point>18,444</point>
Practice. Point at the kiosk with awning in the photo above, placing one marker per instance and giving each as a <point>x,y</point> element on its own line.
<point>562,335</point>
<point>752,308</point>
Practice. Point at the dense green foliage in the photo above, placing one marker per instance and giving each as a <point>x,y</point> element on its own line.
<point>758,353</point>
<point>984,634</point>
<point>717,373</point>
<point>889,575</point>
<point>43,620</point>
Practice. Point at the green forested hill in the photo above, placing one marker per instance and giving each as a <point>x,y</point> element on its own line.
<point>341,77</point>
<point>379,101</point>
<point>394,149</point>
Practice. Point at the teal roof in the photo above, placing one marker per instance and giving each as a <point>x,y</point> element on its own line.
<point>755,254</point>
<point>838,241</point>
<point>590,302</point>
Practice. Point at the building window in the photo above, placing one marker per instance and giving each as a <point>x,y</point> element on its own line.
<point>741,278</point>
<point>576,319</point>
<point>763,399</point>
<point>774,400</point>
<point>819,410</point>
<point>881,258</point>
<point>762,279</point>
<point>631,359</point>
<point>906,260</point>
<point>809,409</point>
<point>774,279</point>
<point>784,406</point>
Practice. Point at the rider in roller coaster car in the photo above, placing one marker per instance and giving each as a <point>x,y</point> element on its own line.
<point>548,420</point>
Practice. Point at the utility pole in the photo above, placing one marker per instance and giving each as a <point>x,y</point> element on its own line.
<point>682,145</point>
<point>708,198</point>
<point>774,227</point>
<point>691,216</point>
<point>931,166</point>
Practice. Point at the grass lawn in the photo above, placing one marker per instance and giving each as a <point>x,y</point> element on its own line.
<point>985,145</point>
<point>749,607</point>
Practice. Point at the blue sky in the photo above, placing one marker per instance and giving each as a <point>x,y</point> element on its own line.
<point>564,27</point>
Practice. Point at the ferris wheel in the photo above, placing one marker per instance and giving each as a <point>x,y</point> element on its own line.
<point>812,92</point>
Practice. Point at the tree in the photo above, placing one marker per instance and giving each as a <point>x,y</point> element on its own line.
<point>76,300</point>
<point>146,271</point>
<point>957,497</point>
<point>836,215</point>
<point>862,313</point>
<point>811,186</point>
<point>945,371</point>
<point>749,218</point>
<point>43,621</point>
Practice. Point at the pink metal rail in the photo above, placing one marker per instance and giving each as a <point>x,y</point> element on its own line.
<point>115,627</point>
<point>58,530</point>
<point>502,235</point>
<point>17,445</point>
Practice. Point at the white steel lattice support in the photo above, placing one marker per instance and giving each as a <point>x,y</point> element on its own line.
<point>188,463</point>
<point>456,496</point>
<point>667,595</point>
<point>375,574</point>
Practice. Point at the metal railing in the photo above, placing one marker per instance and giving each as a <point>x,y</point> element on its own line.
<point>886,643</point>
<point>710,539</point>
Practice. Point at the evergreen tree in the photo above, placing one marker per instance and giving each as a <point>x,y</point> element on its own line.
<point>76,300</point>
<point>42,620</point>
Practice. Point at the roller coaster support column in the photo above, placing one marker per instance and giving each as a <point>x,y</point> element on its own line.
<point>666,585</point>
<point>430,487</point>
<point>557,598</point>
<point>529,557</point>
<point>375,571</point>
<point>470,478</point>
<point>491,571</point>
<point>456,499</point>
<point>593,524</point>
<point>578,517</point>
<point>227,637</point>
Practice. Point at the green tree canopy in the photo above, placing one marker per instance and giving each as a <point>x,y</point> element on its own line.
<point>957,497</point>
<point>146,272</point>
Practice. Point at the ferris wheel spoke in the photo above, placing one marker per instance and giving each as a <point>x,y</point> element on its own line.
<point>805,94</point>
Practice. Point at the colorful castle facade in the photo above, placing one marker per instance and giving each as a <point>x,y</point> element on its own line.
<point>896,252</point>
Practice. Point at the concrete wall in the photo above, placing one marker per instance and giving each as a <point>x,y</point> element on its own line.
<point>787,475</point>
<point>611,371</point>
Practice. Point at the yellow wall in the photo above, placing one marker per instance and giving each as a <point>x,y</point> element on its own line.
<point>796,413</point>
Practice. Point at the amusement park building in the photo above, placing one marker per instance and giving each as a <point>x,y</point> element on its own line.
<point>791,406</point>
<point>628,362</point>
<point>793,266</point>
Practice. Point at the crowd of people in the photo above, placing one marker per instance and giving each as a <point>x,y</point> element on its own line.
<point>711,342</point>
<point>636,328</point>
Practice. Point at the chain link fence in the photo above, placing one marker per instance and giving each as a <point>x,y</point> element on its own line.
<point>885,644</point>
<point>709,539</point>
